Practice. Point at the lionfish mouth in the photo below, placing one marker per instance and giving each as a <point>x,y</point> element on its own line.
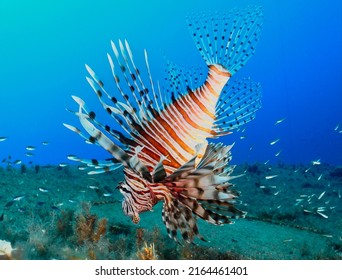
<point>162,139</point>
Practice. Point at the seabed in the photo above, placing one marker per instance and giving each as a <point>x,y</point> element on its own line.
<point>53,212</point>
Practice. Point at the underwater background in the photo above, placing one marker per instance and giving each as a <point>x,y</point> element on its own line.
<point>297,134</point>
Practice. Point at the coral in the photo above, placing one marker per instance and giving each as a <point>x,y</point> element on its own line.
<point>147,252</point>
<point>139,237</point>
<point>86,231</point>
<point>84,227</point>
<point>91,254</point>
<point>64,224</point>
<point>5,250</point>
<point>89,228</point>
<point>101,230</point>
<point>39,239</point>
<point>154,237</point>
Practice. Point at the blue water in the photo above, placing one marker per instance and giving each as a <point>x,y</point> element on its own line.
<point>45,44</point>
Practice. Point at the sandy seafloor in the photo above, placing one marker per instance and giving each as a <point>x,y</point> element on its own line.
<point>67,214</point>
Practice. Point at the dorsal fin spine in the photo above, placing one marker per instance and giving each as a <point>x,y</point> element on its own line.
<point>123,71</point>
<point>150,75</point>
<point>114,110</point>
<point>116,53</point>
<point>139,77</point>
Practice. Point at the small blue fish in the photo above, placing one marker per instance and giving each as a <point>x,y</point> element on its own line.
<point>279,121</point>
<point>9,204</point>
<point>19,197</point>
<point>55,208</point>
<point>277,154</point>
<point>274,142</point>
<point>316,162</point>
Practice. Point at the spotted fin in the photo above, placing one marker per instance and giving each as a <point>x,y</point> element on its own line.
<point>227,39</point>
<point>98,166</point>
<point>237,105</point>
<point>181,80</point>
<point>178,217</point>
<point>204,189</point>
<point>135,109</point>
<point>97,136</point>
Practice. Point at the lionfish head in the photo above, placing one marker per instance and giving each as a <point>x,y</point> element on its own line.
<point>137,197</point>
<point>128,206</point>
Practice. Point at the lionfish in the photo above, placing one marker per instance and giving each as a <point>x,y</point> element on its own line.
<point>162,145</point>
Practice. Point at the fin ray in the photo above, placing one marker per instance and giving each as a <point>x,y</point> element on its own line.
<point>231,50</point>
<point>236,106</point>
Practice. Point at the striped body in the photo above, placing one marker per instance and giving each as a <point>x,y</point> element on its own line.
<point>185,123</point>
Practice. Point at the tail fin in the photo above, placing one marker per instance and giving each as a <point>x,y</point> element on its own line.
<point>229,39</point>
